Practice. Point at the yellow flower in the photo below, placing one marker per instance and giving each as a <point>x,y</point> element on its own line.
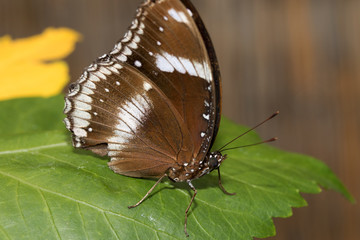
<point>32,67</point>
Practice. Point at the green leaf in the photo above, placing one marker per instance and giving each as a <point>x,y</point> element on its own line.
<point>31,115</point>
<point>50,190</point>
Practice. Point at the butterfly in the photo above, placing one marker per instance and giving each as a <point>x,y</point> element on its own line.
<point>153,103</point>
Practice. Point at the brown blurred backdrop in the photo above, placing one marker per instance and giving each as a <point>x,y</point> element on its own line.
<point>299,56</point>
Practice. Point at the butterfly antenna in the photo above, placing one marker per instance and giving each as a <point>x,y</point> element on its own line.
<point>272,139</point>
<point>253,144</point>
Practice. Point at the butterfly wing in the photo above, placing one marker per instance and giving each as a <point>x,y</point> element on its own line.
<point>169,44</point>
<point>113,109</point>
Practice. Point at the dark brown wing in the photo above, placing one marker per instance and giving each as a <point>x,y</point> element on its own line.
<point>168,43</point>
<point>114,109</point>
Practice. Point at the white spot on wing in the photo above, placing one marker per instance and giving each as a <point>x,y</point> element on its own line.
<point>200,69</point>
<point>140,102</point>
<point>179,16</point>
<point>163,64</point>
<point>115,147</point>
<point>167,62</point>
<point>84,98</point>
<point>122,58</point>
<point>80,123</point>
<point>116,49</point>
<point>134,24</point>
<point>105,71</point>
<point>79,132</point>
<point>126,51</point>
<point>87,91</point>
<point>137,63</point>
<point>140,31</point>
<point>68,106</point>
<point>92,67</point>
<point>208,72</point>
<point>67,123</point>
<point>90,84</point>
<point>206,116</point>
<point>142,25</point>
<point>118,66</point>
<point>207,104</point>
<point>133,45</point>
<point>130,119</point>
<point>127,36</point>
<point>136,39</point>
<point>189,66</point>
<point>113,69</point>
<point>82,106</point>
<point>94,78</point>
<point>81,114</point>
<point>147,86</point>
<point>83,76</point>
<point>189,12</point>
<point>175,62</point>
<point>100,75</point>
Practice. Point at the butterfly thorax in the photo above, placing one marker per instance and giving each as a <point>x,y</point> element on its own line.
<point>196,169</point>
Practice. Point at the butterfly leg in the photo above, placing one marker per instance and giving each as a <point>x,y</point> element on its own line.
<point>147,194</point>
<point>186,212</point>
<point>221,186</point>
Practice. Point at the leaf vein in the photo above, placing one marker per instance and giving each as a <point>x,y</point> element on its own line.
<point>50,213</point>
<point>201,227</point>
<point>82,220</point>
<point>4,232</point>
<point>63,144</point>
<point>110,225</point>
<point>157,235</point>
<point>19,206</point>
<point>136,232</point>
<point>222,213</point>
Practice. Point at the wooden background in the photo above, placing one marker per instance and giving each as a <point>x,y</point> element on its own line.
<point>299,56</point>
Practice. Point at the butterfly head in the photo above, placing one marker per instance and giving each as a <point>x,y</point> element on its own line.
<point>213,160</point>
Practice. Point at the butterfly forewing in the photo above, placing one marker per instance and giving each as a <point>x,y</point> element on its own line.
<point>165,44</point>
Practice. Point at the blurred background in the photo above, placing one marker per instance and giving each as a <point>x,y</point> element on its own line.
<point>299,57</point>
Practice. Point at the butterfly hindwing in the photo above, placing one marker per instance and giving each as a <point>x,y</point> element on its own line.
<point>115,110</point>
